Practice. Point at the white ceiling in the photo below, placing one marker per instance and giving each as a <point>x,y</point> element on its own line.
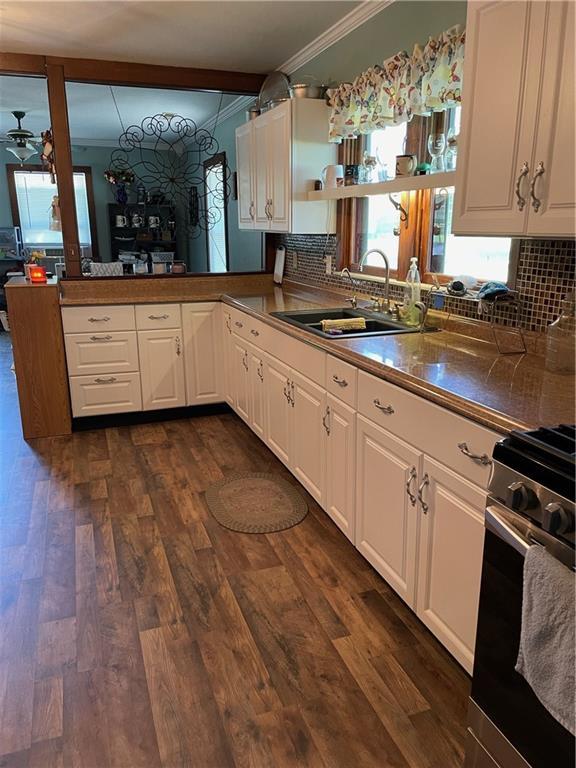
<point>92,113</point>
<point>241,36</point>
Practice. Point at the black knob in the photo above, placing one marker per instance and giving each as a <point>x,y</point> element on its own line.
<point>520,497</point>
<point>556,519</point>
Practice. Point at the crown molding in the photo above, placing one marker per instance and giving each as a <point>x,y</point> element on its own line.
<point>357,16</point>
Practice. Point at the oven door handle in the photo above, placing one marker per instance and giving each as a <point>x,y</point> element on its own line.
<point>496,523</point>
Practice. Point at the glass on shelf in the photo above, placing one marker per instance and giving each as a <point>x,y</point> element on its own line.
<point>451,150</point>
<point>436,148</point>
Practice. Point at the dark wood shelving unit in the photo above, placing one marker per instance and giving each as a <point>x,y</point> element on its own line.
<point>133,243</point>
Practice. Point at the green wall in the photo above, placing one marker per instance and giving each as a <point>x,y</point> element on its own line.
<point>398,27</point>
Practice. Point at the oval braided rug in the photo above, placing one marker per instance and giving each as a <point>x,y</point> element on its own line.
<point>256,502</point>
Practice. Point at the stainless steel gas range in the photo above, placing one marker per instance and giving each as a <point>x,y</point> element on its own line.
<point>530,502</point>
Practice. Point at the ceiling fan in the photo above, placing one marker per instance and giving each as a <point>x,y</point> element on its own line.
<point>23,142</point>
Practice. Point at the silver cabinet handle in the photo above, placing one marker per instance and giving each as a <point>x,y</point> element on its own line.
<point>251,210</point>
<point>101,338</point>
<point>383,408</point>
<point>524,171</point>
<point>292,400</point>
<point>254,333</point>
<point>178,347</point>
<point>270,209</point>
<point>339,381</point>
<point>228,324</point>
<point>109,380</point>
<point>481,458</point>
<point>326,420</point>
<point>412,476</point>
<point>245,360</point>
<point>260,370</point>
<point>238,324</point>
<point>104,319</point>
<point>536,202</point>
<point>287,390</point>
<point>424,484</point>
<point>158,317</point>
<point>266,211</point>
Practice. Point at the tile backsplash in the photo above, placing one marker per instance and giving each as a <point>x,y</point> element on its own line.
<point>545,274</point>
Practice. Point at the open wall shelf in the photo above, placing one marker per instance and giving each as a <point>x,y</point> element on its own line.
<point>401,184</point>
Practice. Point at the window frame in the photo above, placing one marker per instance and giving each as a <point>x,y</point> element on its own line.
<point>218,159</point>
<point>11,168</point>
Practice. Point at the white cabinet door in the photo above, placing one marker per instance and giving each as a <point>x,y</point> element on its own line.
<point>554,156</point>
<point>227,358</point>
<point>202,352</point>
<point>245,175</point>
<point>499,104</point>
<point>450,559</point>
<point>257,391</point>
<point>340,422</point>
<point>309,435</point>
<point>278,408</point>
<point>240,372</point>
<point>161,369</point>
<point>261,193</point>
<point>386,519</point>
<point>279,165</point>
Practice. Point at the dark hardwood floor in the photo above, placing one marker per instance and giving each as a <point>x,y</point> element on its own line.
<point>136,632</point>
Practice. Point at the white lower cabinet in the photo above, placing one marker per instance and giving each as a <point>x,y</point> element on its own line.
<point>227,358</point>
<point>278,409</point>
<point>340,426</point>
<point>386,516</point>
<point>106,393</point>
<point>202,352</point>
<point>450,559</point>
<point>241,380</point>
<point>161,369</point>
<point>257,391</point>
<point>308,435</point>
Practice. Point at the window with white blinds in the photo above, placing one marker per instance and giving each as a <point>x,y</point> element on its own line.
<point>34,195</point>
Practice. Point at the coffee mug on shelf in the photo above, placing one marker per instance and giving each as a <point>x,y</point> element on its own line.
<point>406,165</point>
<point>121,221</point>
<point>153,222</point>
<point>333,176</point>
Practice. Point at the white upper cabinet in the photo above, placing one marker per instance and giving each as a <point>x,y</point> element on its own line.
<point>516,160</point>
<point>279,155</point>
<point>202,352</point>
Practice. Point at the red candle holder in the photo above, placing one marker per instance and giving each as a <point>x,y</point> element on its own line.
<point>37,274</point>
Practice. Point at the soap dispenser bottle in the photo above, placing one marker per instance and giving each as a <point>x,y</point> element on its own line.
<point>412,293</point>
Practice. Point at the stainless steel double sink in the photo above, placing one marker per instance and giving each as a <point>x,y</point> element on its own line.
<point>377,324</point>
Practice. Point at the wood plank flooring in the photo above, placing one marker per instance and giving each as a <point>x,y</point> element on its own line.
<point>137,633</point>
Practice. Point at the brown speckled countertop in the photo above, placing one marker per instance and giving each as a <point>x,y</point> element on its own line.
<point>463,374</point>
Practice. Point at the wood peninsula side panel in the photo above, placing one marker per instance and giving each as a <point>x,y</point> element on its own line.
<point>39,358</point>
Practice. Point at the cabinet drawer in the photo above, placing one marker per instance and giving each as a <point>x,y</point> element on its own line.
<point>118,317</point>
<point>248,328</point>
<point>441,434</point>
<point>151,317</point>
<point>112,393</point>
<point>341,379</point>
<point>93,353</point>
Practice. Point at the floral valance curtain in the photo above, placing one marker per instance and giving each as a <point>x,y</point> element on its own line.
<point>430,80</point>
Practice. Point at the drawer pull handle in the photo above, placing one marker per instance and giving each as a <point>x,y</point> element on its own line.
<point>104,319</point>
<point>481,458</point>
<point>260,370</point>
<point>412,476</point>
<point>178,347</point>
<point>339,381</point>
<point>109,380</point>
<point>287,391</point>
<point>424,484</point>
<point>245,360</point>
<point>158,317</point>
<point>255,333</point>
<point>101,338</point>
<point>238,324</point>
<point>383,408</point>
